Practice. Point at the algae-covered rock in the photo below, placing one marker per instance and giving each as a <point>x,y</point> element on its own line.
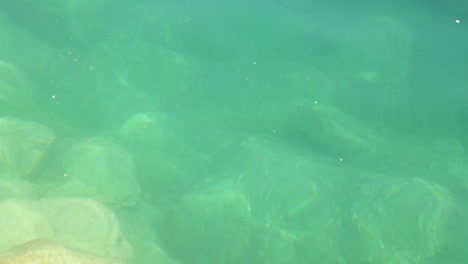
<point>17,188</point>
<point>162,145</point>
<point>272,245</point>
<point>98,169</point>
<point>86,225</point>
<point>50,252</point>
<point>327,130</point>
<point>148,129</point>
<point>80,224</point>
<point>209,226</point>
<point>399,221</point>
<point>20,222</point>
<point>23,145</point>
<point>292,195</point>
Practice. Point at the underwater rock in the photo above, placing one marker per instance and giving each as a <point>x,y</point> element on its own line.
<point>86,225</point>
<point>209,226</point>
<point>287,190</point>
<point>168,162</point>
<point>293,198</point>
<point>98,169</point>
<point>20,222</point>
<point>80,224</point>
<point>399,221</point>
<point>153,253</point>
<point>144,128</point>
<point>23,145</point>
<point>272,245</point>
<point>17,188</point>
<point>137,225</point>
<point>326,130</point>
<point>50,252</point>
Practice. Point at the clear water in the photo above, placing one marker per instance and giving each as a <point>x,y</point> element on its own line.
<point>281,131</point>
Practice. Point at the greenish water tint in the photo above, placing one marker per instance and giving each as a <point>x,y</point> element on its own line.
<point>281,131</point>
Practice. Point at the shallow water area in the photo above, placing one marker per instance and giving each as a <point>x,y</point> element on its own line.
<point>277,132</point>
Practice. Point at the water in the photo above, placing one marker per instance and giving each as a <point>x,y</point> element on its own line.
<point>277,131</point>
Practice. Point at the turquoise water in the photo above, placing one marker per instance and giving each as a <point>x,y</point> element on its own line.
<point>282,131</point>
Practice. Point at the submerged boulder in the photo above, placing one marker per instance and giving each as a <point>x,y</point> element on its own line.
<point>326,130</point>
<point>99,169</point>
<point>77,223</point>
<point>209,226</point>
<point>23,145</point>
<point>48,251</point>
<point>398,221</point>
<point>21,221</point>
<point>86,225</point>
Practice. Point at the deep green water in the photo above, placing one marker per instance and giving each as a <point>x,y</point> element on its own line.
<point>282,131</point>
